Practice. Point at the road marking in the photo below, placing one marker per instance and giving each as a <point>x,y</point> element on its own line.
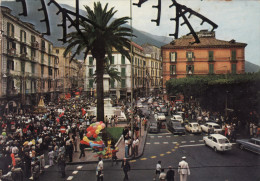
<point>176,147</point>
<point>156,143</point>
<point>168,136</point>
<point>151,136</point>
<point>173,149</point>
<point>153,157</point>
<point>192,145</point>
<point>70,178</point>
<point>168,152</point>
<point>184,135</point>
<point>132,161</point>
<point>75,172</point>
<point>47,166</point>
<point>200,140</point>
<point>165,143</point>
<point>192,141</point>
<point>161,154</point>
<point>176,135</point>
<point>79,167</point>
<point>174,142</point>
<point>143,159</point>
<point>183,142</point>
<point>159,136</point>
<point>148,143</point>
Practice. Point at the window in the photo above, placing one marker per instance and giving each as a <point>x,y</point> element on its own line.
<point>33,53</point>
<point>42,57</point>
<point>234,68</point>
<point>112,61</point>
<point>42,70</point>
<point>23,49</point>
<point>112,83</point>
<point>90,72</point>
<point>172,69</point>
<point>11,45</point>
<point>49,48</point>
<point>211,68</point>
<point>122,83</point>
<point>190,69</point>
<point>50,71</point>
<point>211,58</point>
<point>123,60</point>
<point>90,59</point>
<point>91,82</point>
<point>33,39</point>
<point>190,56</point>
<point>173,56</point>
<point>10,29</point>
<point>122,72</point>
<point>10,65</point>
<point>33,67</point>
<point>49,84</point>
<point>49,60</point>
<point>43,45</point>
<point>22,67</point>
<point>57,51</point>
<point>22,36</point>
<point>233,56</point>
<point>215,140</point>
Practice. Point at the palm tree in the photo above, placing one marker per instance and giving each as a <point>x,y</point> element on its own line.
<point>99,38</point>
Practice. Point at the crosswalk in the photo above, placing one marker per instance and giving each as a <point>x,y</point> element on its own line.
<point>166,142</point>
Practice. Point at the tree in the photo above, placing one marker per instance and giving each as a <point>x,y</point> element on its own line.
<point>99,38</point>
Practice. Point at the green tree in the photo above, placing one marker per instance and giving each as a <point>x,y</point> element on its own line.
<point>99,37</point>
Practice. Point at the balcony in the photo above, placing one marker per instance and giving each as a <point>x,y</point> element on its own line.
<point>33,59</point>
<point>24,56</point>
<point>35,45</point>
<point>11,52</point>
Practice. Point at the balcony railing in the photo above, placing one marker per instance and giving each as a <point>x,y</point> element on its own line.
<point>35,44</point>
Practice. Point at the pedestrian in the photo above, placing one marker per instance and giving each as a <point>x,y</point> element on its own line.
<point>106,121</point>
<point>51,157</point>
<point>251,129</point>
<point>99,171</point>
<point>126,147</point>
<point>183,169</point>
<point>126,168</point>
<point>162,175</point>
<point>82,150</point>
<point>135,146</point>
<point>157,169</point>
<point>62,165</point>
<point>170,174</point>
<point>114,157</point>
<point>70,151</point>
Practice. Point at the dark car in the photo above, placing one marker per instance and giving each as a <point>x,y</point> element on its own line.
<point>153,127</point>
<point>175,127</point>
<point>252,144</point>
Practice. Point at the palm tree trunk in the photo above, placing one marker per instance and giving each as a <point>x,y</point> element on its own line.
<point>100,89</point>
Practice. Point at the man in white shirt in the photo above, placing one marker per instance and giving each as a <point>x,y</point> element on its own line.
<point>183,169</point>
<point>135,146</point>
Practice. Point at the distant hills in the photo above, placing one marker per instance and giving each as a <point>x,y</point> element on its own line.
<point>34,17</point>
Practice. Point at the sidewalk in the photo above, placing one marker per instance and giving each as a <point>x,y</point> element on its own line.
<point>92,158</point>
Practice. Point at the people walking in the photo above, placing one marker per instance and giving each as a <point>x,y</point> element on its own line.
<point>135,146</point>
<point>157,169</point>
<point>170,174</point>
<point>99,171</point>
<point>126,147</point>
<point>62,165</point>
<point>126,168</point>
<point>82,150</point>
<point>162,175</point>
<point>183,169</point>
<point>51,157</point>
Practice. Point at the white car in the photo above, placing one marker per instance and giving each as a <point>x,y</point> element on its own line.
<point>178,118</point>
<point>211,127</point>
<point>140,105</point>
<point>161,117</point>
<point>193,128</point>
<point>218,142</point>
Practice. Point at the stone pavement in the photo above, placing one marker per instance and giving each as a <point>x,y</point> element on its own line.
<point>90,156</point>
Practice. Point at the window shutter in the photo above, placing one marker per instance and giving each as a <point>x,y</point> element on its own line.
<point>21,35</point>
<point>90,60</point>
<point>175,69</point>
<point>24,34</point>
<point>234,68</point>
<point>8,29</point>
<point>175,56</point>
<point>12,30</point>
<point>192,53</point>
<point>233,55</point>
<point>192,68</point>
<point>187,68</point>
<point>123,72</point>
<point>123,60</point>
<point>210,55</point>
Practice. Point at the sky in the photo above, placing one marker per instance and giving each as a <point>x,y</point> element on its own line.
<point>236,19</point>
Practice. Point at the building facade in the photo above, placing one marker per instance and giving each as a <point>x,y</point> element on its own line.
<point>153,69</point>
<point>28,67</point>
<point>182,58</point>
<point>120,89</point>
<point>70,73</point>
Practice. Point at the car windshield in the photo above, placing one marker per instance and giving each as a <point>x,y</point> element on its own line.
<point>216,127</point>
<point>222,141</point>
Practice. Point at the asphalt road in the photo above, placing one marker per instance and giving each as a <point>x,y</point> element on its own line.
<point>205,164</point>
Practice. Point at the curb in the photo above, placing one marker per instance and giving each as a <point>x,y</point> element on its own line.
<point>109,160</point>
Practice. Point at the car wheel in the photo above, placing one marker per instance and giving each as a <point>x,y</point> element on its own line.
<point>241,147</point>
<point>215,149</point>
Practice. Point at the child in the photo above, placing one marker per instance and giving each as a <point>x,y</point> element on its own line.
<point>114,157</point>
<point>51,156</point>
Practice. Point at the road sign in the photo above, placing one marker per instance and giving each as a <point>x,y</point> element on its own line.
<point>62,129</point>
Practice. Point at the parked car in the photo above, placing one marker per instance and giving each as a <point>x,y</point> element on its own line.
<point>193,128</point>
<point>161,117</point>
<point>211,128</point>
<point>175,127</point>
<point>252,144</point>
<point>218,142</point>
<point>153,127</point>
<point>177,117</point>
